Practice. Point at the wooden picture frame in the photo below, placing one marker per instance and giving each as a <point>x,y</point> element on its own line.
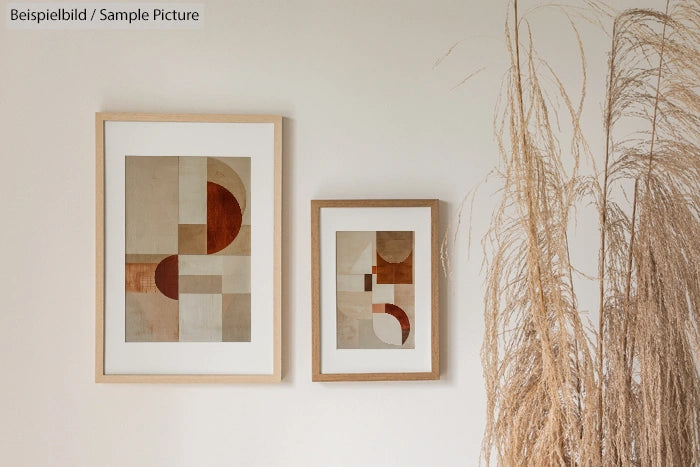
<point>397,337</point>
<point>188,221</point>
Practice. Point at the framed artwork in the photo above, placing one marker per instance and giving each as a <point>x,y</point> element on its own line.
<point>375,290</point>
<point>188,248</point>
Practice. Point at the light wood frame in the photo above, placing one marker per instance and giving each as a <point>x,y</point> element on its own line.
<point>100,376</point>
<point>316,207</point>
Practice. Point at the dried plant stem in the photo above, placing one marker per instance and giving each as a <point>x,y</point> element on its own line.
<point>652,138</point>
<point>540,375</point>
<point>628,322</point>
<point>601,254</point>
<point>629,352</point>
<point>630,393</point>
<point>649,394</point>
<point>529,192</point>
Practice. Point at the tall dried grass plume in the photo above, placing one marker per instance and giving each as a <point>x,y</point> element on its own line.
<point>625,390</point>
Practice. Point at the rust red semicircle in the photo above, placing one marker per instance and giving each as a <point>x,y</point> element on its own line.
<point>224,218</point>
<point>166,277</point>
<point>401,316</point>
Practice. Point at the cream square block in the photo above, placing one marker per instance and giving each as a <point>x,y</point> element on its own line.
<point>382,293</point>
<point>236,274</point>
<point>200,318</point>
<point>200,265</point>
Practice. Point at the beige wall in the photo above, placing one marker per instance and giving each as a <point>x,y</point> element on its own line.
<point>367,115</point>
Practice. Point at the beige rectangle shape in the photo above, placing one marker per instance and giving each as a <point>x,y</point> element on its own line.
<point>356,305</point>
<point>151,205</point>
<point>350,283</point>
<point>236,274</point>
<point>199,284</point>
<point>193,190</point>
<point>150,317</point>
<point>145,258</point>
<point>200,265</point>
<point>200,318</point>
<point>236,318</point>
<point>192,239</point>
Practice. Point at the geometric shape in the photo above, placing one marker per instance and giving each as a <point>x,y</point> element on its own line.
<point>400,315</point>
<point>395,273</point>
<point>200,317</point>
<point>201,265</point>
<point>354,251</point>
<point>350,283</point>
<point>404,299</point>
<point>236,275</point>
<point>404,296</point>
<point>361,296</point>
<point>394,247</point>
<point>368,282</point>
<point>200,284</point>
<point>166,277</point>
<point>364,262</point>
<point>355,305</point>
<point>139,259</point>
<point>241,165</point>
<point>235,318</point>
<point>150,318</point>
<point>192,202</point>
<point>141,277</point>
<point>223,217</point>
<point>403,271</point>
<point>347,335</point>
<point>223,175</point>
<point>240,246</point>
<point>383,293</point>
<point>151,205</point>
<point>192,239</point>
<point>368,339</point>
<point>387,328</point>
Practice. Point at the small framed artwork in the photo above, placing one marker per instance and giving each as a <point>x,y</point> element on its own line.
<point>375,290</point>
<point>188,248</point>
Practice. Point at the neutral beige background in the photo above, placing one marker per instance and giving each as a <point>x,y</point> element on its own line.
<point>367,116</point>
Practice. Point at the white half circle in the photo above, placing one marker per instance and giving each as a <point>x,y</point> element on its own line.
<point>387,328</point>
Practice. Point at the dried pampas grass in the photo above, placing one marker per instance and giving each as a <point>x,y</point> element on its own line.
<point>628,394</point>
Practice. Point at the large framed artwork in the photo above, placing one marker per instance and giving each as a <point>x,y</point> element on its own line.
<point>374,290</point>
<point>188,248</point>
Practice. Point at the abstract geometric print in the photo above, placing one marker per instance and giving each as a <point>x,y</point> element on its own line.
<point>375,290</point>
<point>187,249</point>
